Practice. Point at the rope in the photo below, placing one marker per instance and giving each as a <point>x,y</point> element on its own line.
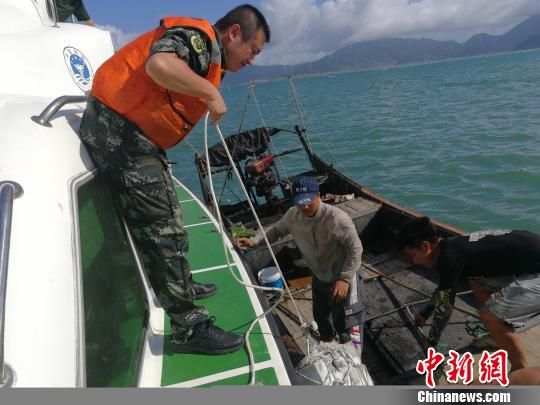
<point>322,139</point>
<point>416,290</point>
<point>299,108</point>
<point>475,329</point>
<point>192,147</point>
<point>244,111</point>
<point>224,242</point>
<point>252,92</point>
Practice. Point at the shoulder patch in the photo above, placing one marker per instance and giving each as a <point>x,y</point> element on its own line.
<point>198,44</point>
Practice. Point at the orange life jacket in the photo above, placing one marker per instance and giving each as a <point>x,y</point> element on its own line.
<point>122,84</point>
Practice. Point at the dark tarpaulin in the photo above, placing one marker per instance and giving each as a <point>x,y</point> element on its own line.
<point>242,145</point>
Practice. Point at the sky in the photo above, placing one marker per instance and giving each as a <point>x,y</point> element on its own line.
<point>306,30</point>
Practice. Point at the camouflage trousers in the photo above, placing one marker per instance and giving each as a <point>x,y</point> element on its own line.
<point>141,183</point>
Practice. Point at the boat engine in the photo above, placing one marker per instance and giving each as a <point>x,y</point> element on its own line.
<point>259,174</point>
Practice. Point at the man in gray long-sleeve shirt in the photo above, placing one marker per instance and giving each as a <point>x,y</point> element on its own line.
<point>329,243</point>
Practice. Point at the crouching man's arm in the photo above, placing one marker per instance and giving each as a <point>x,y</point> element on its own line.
<point>442,306</point>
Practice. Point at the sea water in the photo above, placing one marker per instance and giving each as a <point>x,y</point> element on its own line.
<point>457,140</point>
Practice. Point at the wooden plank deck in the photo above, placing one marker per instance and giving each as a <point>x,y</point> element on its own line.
<point>531,340</point>
<point>393,265</point>
<point>400,268</point>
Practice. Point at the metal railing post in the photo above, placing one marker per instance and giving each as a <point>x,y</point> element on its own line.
<point>8,192</point>
<point>46,115</point>
<point>51,5</point>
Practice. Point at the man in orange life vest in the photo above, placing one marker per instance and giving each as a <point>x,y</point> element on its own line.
<point>147,98</point>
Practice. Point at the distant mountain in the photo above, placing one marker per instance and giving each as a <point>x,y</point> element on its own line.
<point>530,43</point>
<point>484,43</point>
<point>399,51</point>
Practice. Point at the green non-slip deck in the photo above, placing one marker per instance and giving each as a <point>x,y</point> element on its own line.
<point>231,306</point>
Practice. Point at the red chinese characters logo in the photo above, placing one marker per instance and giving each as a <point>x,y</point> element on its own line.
<point>428,366</point>
<point>491,367</point>
<point>494,366</point>
<point>461,368</point>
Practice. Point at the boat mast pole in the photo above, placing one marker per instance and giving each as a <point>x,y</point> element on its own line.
<point>251,195</point>
<point>297,102</point>
<point>250,90</point>
<point>302,132</point>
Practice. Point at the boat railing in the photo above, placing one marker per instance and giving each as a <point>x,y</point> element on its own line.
<point>44,118</point>
<point>53,12</point>
<point>9,191</point>
<point>47,11</point>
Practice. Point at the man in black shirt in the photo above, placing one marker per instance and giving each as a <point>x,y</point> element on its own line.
<point>502,268</point>
<point>72,11</point>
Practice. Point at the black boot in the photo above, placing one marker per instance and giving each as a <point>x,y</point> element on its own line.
<point>203,290</point>
<point>208,339</point>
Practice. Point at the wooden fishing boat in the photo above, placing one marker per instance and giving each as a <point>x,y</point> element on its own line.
<point>395,287</point>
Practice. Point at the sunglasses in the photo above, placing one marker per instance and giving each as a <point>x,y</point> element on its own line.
<point>306,202</point>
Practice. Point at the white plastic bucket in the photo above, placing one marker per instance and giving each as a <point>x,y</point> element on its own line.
<point>270,277</point>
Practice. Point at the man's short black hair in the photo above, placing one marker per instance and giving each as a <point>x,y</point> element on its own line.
<point>249,18</point>
<point>415,231</point>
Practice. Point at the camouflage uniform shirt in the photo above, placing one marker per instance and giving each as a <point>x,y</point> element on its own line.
<point>181,41</point>
<point>144,192</point>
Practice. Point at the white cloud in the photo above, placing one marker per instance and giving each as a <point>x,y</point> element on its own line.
<point>119,37</point>
<point>305,30</point>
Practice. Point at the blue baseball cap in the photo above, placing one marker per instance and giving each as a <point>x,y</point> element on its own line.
<point>305,189</point>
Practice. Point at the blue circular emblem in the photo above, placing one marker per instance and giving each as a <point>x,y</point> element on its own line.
<point>79,68</point>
